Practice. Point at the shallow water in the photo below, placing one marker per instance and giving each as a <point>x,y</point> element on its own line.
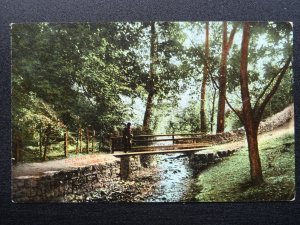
<point>175,177</point>
<point>170,181</point>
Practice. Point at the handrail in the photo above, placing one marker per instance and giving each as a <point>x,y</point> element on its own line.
<point>173,138</point>
<point>181,146</point>
<point>169,139</point>
<point>161,135</point>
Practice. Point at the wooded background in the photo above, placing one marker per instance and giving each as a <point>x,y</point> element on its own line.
<point>32,11</point>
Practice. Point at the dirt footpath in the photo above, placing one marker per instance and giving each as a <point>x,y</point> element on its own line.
<point>40,168</point>
<point>287,128</point>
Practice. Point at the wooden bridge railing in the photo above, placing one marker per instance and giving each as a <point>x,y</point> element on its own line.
<point>116,142</point>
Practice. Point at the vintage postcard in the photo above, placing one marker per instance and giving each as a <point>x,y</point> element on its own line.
<point>152,112</point>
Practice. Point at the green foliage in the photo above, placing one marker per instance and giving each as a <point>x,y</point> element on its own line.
<point>72,75</point>
<point>187,120</point>
<point>282,97</point>
<point>168,69</point>
<point>30,114</point>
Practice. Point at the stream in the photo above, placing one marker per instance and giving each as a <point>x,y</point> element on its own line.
<point>175,178</point>
<point>167,178</point>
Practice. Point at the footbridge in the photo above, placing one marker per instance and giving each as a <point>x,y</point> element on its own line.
<point>157,144</point>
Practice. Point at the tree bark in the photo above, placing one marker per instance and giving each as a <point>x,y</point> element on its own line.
<point>203,126</point>
<point>152,73</point>
<point>255,163</point>
<point>212,112</point>
<point>222,82</point>
<point>148,112</point>
<point>250,124</point>
<point>226,45</point>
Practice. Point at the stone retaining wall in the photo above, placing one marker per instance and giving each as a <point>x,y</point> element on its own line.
<point>201,160</point>
<point>64,186</point>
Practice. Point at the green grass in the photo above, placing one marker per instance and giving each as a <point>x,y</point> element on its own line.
<point>55,152</point>
<point>229,180</point>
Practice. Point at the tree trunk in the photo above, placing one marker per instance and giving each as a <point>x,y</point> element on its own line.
<point>203,126</point>
<point>212,112</point>
<point>226,45</point>
<point>255,163</point>
<point>251,126</point>
<point>151,83</point>
<point>222,82</point>
<point>148,112</point>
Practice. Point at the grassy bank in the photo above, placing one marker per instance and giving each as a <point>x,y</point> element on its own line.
<point>229,180</point>
<point>56,151</point>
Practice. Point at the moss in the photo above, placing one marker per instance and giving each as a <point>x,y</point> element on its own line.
<point>229,180</point>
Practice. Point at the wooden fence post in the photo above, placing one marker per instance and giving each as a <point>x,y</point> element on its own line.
<point>111,145</point>
<point>66,143</point>
<point>124,167</point>
<point>40,141</point>
<point>87,140</point>
<point>80,140</point>
<point>18,146</point>
<point>93,137</point>
<point>100,140</point>
<point>77,141</point>
<point>47,134</point>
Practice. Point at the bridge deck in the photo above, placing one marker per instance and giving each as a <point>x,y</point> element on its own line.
<point>166,147</point>
<point>161,152</point>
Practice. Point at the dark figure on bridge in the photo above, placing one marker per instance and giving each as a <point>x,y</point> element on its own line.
<point>127,138</point>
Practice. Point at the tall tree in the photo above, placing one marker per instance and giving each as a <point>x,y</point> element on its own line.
<point>203,126</point>
<point>152,74</point>
<point>251,116</point>
<point>164,73</point>
<point>226,45</point>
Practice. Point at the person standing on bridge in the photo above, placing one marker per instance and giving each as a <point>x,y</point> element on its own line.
<point>127,137</point>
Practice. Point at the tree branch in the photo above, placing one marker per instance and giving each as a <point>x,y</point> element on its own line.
<point>261,108</point>
<point>228,103</point>
<point>232,33</point>
<point>265,89</point>
<point>239,114</point>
